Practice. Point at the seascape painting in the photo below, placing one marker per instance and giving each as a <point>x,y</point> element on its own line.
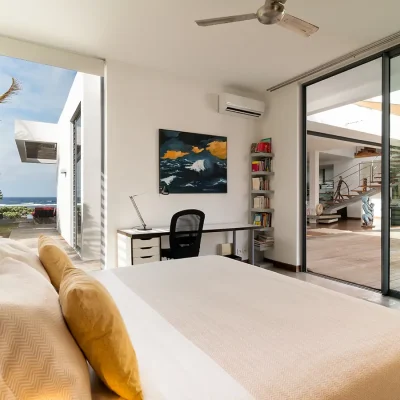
<point>192,162</point>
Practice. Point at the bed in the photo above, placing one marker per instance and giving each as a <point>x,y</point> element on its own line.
<point>213,328</point>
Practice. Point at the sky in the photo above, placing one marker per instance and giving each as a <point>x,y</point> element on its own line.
<point>44,92</point>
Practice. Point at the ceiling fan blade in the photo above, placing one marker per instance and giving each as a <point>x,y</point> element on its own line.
<point>298,25</point>
<point>226,20</point>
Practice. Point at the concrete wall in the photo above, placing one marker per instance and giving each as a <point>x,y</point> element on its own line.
<point>282,124</point>
<point>139,102</point>
<point>85,91</point>
<point>33,131</point>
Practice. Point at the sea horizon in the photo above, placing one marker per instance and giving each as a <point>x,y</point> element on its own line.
<point>28,201</point>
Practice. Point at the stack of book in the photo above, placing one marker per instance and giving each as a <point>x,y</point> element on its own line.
<point>260,183</point>
<point>261,202</point>
<point>263,165</point>
<point>262,220</point>
<point>262,242</point>
<point>262,147</point>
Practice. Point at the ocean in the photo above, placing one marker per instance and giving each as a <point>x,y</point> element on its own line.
<point>28,201</point>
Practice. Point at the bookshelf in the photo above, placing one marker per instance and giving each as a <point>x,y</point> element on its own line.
<point>260,211</point>
<point>262,173</point>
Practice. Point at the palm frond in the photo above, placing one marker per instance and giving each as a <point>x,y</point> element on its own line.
<point>14,88</point>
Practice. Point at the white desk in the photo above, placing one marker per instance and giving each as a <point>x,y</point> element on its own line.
<point>139,247</point>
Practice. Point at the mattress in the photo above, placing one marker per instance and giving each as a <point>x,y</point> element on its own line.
<point>213,328</point>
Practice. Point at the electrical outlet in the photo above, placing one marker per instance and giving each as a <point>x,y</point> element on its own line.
<point>244,252</point>
<point>239,252</point>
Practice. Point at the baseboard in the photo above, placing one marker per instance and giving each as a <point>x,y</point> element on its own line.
<point>353,218</point>
<point>287,267</point>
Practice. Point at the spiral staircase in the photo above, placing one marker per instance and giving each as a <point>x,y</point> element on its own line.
<point>367,181</point>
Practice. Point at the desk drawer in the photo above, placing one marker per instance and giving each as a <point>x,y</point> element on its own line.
<point>140,243</point>
<point>146,260</point>
<point>145,252</point>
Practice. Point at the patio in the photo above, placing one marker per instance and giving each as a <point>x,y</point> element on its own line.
<point>28,233</point>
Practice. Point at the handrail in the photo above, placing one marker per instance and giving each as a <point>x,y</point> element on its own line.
<point>356,165</point>
<point>361,166</point>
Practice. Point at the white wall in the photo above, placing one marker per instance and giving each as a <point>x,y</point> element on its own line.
<point>139,102</point>
<point>91,173</point>
<point>282,124</point>
<point>85,91</point>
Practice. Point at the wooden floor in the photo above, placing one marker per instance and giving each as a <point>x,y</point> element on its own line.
<point>348,252</point>
<point>28,234</point>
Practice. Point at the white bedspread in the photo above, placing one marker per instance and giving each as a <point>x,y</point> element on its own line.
<point>212,328</point>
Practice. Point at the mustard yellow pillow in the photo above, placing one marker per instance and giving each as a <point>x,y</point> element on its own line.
<point>96,323</point>
<point>54,260</point>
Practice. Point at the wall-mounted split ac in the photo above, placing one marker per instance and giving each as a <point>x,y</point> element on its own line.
<point>240,106</point>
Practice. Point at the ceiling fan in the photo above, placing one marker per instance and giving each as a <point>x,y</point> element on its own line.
<point>272,12</point>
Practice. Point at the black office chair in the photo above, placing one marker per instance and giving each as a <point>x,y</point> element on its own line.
<point>185,234</point>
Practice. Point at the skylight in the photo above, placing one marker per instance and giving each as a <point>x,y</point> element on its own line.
<point>364,116</point>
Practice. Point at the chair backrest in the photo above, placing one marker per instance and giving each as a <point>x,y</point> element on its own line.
<point>185,233</point>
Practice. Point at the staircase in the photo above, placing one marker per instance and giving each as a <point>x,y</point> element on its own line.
<point>367,178</point>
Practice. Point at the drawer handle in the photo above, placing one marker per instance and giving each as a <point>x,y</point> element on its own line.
<point>145,239</point>
<point>146,257</point>
<point>145,248</point>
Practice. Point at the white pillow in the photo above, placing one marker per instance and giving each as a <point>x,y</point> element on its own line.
<point>39,359</point>
<point>17,251</point>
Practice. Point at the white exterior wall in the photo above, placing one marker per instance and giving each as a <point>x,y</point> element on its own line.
<point>65,181</point>
<point>140,102</point>
<point>85,91</point>
<point>283,125</point>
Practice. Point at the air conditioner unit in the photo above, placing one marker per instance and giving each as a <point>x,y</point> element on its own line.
<point>240,106</point>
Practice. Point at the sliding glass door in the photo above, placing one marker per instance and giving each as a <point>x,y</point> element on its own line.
<point>343,176</point>
<point>394,165</point>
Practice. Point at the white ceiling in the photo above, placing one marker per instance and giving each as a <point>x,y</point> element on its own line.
<point>162,34</point>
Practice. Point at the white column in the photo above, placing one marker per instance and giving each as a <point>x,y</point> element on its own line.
<point>314,180</point>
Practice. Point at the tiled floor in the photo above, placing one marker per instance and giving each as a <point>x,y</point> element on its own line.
<point>28,234</point>
<point>365,294</point>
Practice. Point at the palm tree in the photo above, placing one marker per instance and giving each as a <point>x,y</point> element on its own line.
<point>14,88</point>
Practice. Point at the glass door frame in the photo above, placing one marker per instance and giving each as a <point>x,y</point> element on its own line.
<point>386,57</point>
<point>76,116</point>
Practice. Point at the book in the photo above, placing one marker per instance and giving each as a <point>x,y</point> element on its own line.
<point>257,220</point>
<point>264,146</point>
<point>256,183</point>
<point>268,145</point>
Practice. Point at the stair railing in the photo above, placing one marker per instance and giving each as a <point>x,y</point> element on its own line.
<point>361,167</point>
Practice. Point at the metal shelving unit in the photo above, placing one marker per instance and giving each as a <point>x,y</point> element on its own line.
<point>262,173</point>
<point>266,193</point>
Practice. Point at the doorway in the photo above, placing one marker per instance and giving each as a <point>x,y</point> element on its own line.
<point>77,181</point>
<point>343,177</point>
<point>343,196</point>
<point>362,101</point>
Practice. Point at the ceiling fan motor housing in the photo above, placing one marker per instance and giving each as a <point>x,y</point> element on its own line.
<point>271,13</point>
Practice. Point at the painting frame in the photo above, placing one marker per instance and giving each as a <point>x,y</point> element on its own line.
<point>192,163</point>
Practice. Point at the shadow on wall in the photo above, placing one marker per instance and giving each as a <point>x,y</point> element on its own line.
<point>91,235</point>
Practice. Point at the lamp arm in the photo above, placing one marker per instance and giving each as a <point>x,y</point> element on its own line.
<point>137,211</point>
